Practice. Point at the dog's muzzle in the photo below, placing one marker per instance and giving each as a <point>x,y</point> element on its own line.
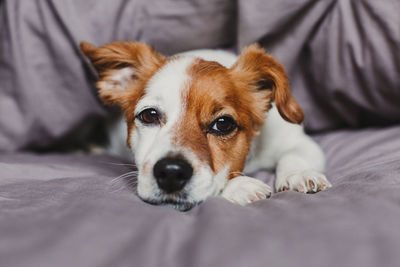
<point>172,174</point>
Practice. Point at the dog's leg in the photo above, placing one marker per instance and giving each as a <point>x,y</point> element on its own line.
<point>300,168</point>
<point>243,190</point>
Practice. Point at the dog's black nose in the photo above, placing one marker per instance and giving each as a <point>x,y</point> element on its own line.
<point>172,174</point>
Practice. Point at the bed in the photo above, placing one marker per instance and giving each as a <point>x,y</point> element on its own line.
<point>60,206</point>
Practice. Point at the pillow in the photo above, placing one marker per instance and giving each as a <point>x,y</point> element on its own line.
<point>47,94</point>
<point>342,57</point>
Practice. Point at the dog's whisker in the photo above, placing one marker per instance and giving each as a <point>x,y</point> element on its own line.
<point>122,182</point>
<point>125,175</point>
<point>122,176</point>
<point>119,179</point>
<point>120,164</point>
<point>132,183</point>
<point>128,174</point>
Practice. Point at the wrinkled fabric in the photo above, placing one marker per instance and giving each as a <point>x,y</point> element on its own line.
<point>47,93</point>
<point>69,210</point>
<point>342,56</point>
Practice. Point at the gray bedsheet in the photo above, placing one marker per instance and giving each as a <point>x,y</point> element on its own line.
<point>63,210</point>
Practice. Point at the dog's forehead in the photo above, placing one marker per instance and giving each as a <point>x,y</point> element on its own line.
<point>166,87</point>
<point>170,86</point>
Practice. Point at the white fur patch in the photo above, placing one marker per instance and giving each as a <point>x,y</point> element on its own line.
<point>243,190</point>
<point>224,58</point>
<point>165,89</point>
<point>119,80</point>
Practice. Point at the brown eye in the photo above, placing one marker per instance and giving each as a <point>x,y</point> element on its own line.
<point>149,116</point>
<point>222,126</point>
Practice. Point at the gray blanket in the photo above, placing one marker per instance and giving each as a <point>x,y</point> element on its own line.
<point>65,210</point>
<point>60,209</point>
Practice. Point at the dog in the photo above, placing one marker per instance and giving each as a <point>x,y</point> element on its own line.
<point>196,121</point>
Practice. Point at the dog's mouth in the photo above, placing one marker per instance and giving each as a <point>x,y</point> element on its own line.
<point>178,204</point>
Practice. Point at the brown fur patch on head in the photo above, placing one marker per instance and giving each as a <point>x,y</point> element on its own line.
<point>214,92</point>
<point>139,59</point>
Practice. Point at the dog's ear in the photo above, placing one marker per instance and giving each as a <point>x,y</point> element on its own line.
<point>264,75</point>
<point>121,66</point>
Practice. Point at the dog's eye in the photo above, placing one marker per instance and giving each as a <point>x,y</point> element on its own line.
<point>222,126</point>
<point>149,116</point>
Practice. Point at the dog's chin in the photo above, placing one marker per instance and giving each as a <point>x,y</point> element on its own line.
<point>181,205</point>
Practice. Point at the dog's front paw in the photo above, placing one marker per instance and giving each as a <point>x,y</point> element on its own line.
<point>303,182</point>
<point>243,190</point>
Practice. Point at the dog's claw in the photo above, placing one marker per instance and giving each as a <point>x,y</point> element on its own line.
<point>284,188</point>
<point>303,182</point>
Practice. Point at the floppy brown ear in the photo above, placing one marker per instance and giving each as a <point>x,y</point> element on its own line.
<point>266,76</point>
<point>121,67</point>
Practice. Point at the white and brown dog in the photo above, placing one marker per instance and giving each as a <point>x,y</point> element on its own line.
<point>195,122</point>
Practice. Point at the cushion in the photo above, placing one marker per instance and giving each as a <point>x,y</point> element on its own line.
<point>342,56</point>
<point>47,94</point>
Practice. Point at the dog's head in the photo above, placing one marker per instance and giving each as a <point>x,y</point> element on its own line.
<point>190,121</point>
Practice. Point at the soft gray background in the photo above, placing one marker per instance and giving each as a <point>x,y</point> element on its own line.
<point>58,209</point>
